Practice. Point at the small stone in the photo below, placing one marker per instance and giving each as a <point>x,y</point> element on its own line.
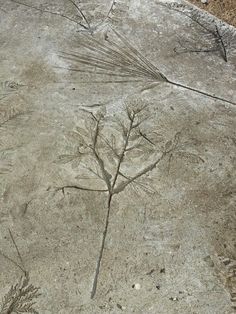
<point>119,306</point>
<point>136,286</point>
<point>204,1</point>
<point>158,287</point>
<point>174,299</point>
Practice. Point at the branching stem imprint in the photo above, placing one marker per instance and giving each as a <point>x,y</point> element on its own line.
<point>19,265</point>
<point>17,250</point>
<point>111,8</point>
<point>85,24</point>
<point>83,19</point>
<point>88,26</point>
<point>117,180</point>
<point>120,58</point>
<point>221,43</point>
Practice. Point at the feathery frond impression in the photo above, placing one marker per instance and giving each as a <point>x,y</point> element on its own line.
<point>7,154</point>
<point>5,161</point>
<point>226,267</point>
<point>113,58</point>
<point>9,113</point>
<point>20,298</point>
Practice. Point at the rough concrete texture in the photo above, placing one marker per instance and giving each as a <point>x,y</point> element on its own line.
<point>75,144</point>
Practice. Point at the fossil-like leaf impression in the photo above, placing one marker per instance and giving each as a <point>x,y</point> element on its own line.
<point>113,57</point>
<point>20,298</point>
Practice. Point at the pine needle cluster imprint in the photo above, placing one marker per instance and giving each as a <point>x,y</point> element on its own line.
<point>115,56</point>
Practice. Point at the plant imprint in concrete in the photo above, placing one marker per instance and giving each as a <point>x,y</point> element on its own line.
<point>116,57</point>
<point>212,36</point>
<point>89,17</point>
<point>8,111</point>
<point>113,154</point>
<point>21,296</point>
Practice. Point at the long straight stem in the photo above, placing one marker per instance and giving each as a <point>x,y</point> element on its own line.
<point>95,281</point>
<point>201,92</point>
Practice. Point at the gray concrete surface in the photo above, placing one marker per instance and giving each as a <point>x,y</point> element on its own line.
<point>65,136</point>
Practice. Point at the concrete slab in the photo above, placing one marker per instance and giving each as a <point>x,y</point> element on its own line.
<point>117,158</point>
